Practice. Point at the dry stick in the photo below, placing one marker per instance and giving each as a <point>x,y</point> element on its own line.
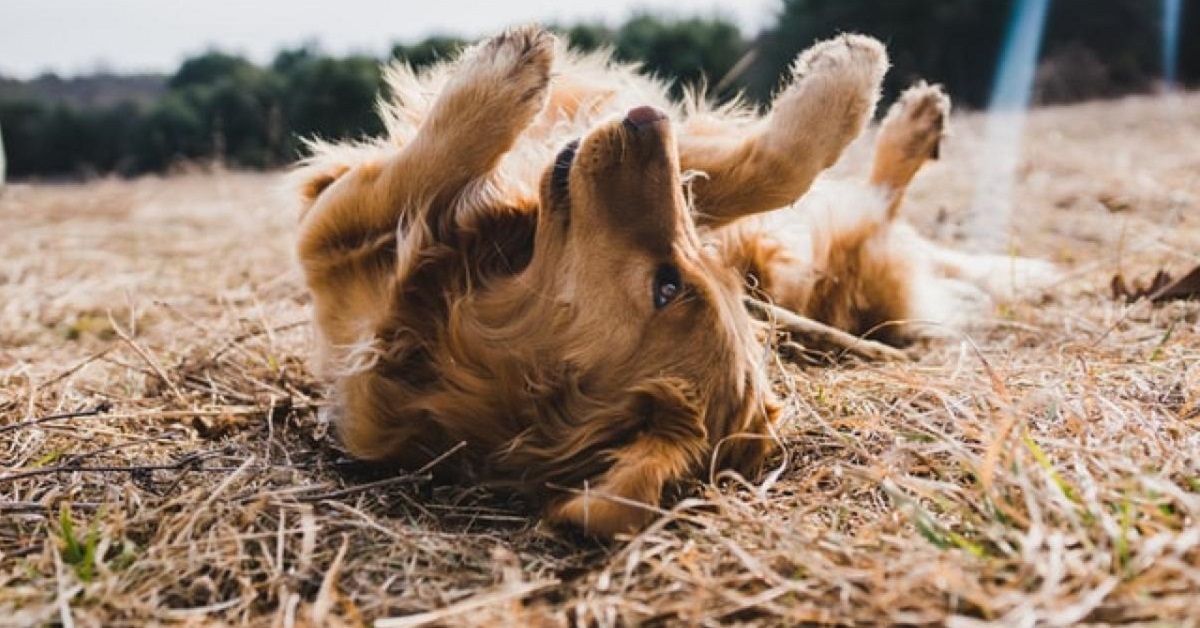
<point>40,508</point>
<point>811,332</point>
<point>186,461</point>
<point>100,410</point>
<point>96,410</point>
<point>70,460</point>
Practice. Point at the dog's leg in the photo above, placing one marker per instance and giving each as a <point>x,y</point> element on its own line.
<point>499,87</point>
<point>768,165</point>
<point>497,90</point>
<point>910,135</point>
<point>668,441</point>
<point>626,497</point>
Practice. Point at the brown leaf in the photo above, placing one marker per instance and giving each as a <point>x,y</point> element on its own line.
<point>1162,287</point>
<point>1186,288</point>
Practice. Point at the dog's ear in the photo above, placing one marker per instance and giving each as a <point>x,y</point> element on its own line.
<point>314,185</point>
<point>670,442</point>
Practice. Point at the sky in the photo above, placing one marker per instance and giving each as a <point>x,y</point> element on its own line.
<point>71,37</point>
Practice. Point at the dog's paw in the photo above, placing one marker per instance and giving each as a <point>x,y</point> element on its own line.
<point>512,68</point>
<point>835,86</point>
<point>917,122</point>
<point>857,61</point>
<point>601,516</point>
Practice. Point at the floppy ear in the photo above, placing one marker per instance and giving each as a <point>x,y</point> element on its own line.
<point>672,440</point>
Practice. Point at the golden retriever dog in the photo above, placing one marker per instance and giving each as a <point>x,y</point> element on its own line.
<point>545,260</point>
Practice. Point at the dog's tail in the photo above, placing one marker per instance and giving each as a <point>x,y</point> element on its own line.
<point>1001,277</point>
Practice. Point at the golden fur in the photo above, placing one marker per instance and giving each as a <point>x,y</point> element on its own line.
<point>577,321</point>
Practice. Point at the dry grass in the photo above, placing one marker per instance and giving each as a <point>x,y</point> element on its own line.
<point>1043,470</point>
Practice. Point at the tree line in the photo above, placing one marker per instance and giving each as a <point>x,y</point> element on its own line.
<point>219,106</point>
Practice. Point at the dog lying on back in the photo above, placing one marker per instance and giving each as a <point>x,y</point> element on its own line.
<point>545,259</point>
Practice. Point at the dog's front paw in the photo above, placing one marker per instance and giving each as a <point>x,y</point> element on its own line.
<point>512,70</point>
<point>916,124</point>
<point>855,62</point>
<point>601,515</point>
<point>835,85</point>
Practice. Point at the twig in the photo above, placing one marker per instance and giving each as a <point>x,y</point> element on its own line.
<point>186,461</point>
<point>812,333</point>
<point>104,407</point>
<point>183,414</point>
<point>96,410</point>
<point>40,508</point>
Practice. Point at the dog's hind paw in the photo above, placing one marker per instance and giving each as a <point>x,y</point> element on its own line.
<point>835,86</point>
<point>916,123</point>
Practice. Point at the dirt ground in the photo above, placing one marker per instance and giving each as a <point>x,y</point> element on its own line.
<point>163,460</point>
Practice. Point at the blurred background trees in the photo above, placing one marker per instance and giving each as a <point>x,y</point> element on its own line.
<point>221,107</point>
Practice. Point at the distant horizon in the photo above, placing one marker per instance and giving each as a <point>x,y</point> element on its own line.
<point>77,38</point>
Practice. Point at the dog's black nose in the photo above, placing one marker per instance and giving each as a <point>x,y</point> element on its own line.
<point>645,115</point>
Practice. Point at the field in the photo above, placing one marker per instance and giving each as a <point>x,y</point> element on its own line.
<point>163,457</point>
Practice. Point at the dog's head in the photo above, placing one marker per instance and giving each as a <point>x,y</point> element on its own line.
<point>663,363</point>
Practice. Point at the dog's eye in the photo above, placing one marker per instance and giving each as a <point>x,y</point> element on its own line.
<point>668,285</point>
